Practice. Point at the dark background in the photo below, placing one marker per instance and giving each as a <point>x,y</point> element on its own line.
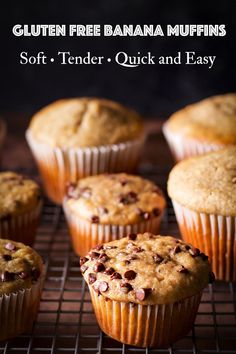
<point>154,90</point>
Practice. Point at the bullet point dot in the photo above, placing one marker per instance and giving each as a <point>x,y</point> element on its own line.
<point>52,60</point>
<point>109,60</point>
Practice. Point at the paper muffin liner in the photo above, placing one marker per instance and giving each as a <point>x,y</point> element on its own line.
<point>86,235</point>
<point>59,166</point>
<point>21,228</point>
<point>215,235</point>
<point>182,147</point>
<point>19,310</point>
<point>145,325</point>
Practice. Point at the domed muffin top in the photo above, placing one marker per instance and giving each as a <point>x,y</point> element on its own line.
<point>117,199</point>
<point>146,269</point>
<point>20,266</point>
<point>206,183</point>
<point>85,122</point>
<point>18,194</point>
<point>212,120</point>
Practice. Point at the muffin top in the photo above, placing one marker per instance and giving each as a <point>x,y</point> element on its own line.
<point>81,122</point>
<point>117,199</point>
<point>20,266</point>
<point>18,194</point>
<point>211,120</point>
<point>206,183</point>
<point>146,269</point>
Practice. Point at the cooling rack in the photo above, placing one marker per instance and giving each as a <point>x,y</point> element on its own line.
<point>66,322</point>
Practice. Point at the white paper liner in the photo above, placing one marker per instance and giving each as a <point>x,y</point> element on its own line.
<point>21,228</point>
<point>59,166</point>
<point>19,310</point>
<point>182,147</point>
<point>86,235</point>
<point>215,235</point>
<point>145,325</point>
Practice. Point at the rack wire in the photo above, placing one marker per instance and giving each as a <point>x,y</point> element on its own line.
<point>66,322</point>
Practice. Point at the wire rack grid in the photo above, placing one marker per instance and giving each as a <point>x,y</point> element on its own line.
<point>66,322</point>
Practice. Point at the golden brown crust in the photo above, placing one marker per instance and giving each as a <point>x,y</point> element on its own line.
<point>146,269</point>
<point>117,199</point>
<point>20,266</point>
<point>18,194</point>
<point>206,183</point>
<point>211,120</point>
<point>84,122</point>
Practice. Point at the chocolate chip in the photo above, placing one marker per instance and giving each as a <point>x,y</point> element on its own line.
<point>132,258</point>
<point>94,255</point>
<point>123,182</point>
<point>142,294</point>
<point>109,271</point>
<point>116,275</point>
<point>130,274</point>
<point>92,278</point>
<point>99,247</point>
<point>103,210</point>
<point>211,277</point>
<point>6,257</point>
<point>203,256</point>
<point>110,247</point>
<point>6,276</point>
<point>83,260</point>
<point>128,198</point>
<point>103,286</point>
<point>182,269</point>
<point>103,257</point>
<point>10,246</point>
<point>132,236</point>
<point>143,214</point>
<point>72,191</point>
<point>83,268</point>
<point>99,267</point>
<point>175,250</point>
<point>126,287</point>
<point>194,252</point>
<point>138,249</point>
<point>94,219</point>
<point>157,258</point>
<point>35,273</point>
<point>23,275</point>
<point>156,211</point>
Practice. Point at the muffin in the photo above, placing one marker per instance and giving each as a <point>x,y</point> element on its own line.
<point>74,138</point>
<point>205,126</point>
<point>146,289</point>
<point>21,280</point>
<point>20,207</point>
<point>203,193</point>
<point>109,206</point>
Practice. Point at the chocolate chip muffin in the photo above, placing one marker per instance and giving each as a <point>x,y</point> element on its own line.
<point>66,148</point>
<point>20,207</point>
<point>203,192</point>
<point>201,127</point>
<point>152,284</point>
<point>21,278</point>
<point>108,206</point>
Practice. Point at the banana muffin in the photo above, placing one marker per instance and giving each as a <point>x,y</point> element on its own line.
<point>20,207</point>
<point>202,127</point>
<point>109,206</point>
<point>203,192</point>
<point>78,137</point>
<point>145,288</point>
<point>21,278</point>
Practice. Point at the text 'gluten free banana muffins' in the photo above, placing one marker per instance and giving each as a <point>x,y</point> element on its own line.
<point>74,138</point>
<point>203,193</point>
<point>146,289</point>
<point>20,207</point>
<point>109,206</point>
<point>201,127</point>
<point>21,281</point>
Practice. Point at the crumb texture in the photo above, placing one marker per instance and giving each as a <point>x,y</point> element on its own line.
<point>146,269</point>
<point>85,122</point>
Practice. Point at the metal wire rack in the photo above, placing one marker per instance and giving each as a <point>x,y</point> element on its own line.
<point>66,322</point>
